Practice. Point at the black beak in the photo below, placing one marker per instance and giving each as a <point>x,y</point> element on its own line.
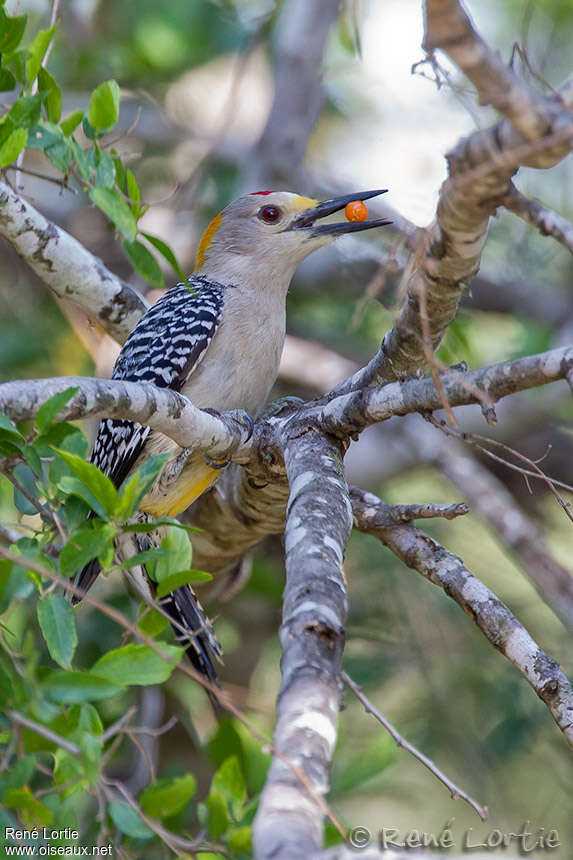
<point>307,220</point>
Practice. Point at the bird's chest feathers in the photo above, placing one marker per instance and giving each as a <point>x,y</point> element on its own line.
<point>242,361</point>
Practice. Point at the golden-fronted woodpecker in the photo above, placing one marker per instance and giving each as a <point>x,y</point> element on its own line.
<point>218,340</point>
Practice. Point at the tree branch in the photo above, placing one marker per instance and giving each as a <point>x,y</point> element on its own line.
<point>289,823</point>
<point>494,619</point>
<point>547,222</point>
<point>162,409</point>
<point>68,268</point>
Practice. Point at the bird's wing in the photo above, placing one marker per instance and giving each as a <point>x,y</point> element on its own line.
<point>164,348</point>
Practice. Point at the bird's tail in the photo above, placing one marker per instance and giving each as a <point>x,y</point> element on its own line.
<point>194,631</point>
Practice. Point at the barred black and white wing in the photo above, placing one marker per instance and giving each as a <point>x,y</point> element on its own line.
<point>164,348</point>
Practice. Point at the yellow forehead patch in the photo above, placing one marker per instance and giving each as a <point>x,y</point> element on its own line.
<point>206,240</point>
<point>302,203</point>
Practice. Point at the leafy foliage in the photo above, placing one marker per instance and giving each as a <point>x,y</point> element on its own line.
<point>69,707</point>
<point>34,121</point>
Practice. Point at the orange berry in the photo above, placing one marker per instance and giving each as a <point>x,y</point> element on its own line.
<point>356,211</point>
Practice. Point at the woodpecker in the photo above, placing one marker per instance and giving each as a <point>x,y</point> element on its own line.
<point>217,339</point>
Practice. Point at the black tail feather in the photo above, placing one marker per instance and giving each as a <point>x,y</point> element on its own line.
<point>197,636</point>
<point>85,580</point>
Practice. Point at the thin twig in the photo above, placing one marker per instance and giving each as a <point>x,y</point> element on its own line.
<point>455,792</point>
<point>45,732</point>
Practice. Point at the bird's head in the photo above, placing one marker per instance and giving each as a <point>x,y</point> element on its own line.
<point>268,233</point>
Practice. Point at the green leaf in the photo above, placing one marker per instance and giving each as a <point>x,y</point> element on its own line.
<point>52,95</point>
<point>24,113</point>
<point>92,478</point>
<point>138,664</point>
<point>61,155</point>
<point>128,821</point>
<point>131,187</point>
<point>70,688</point>
<point>239,840</point>
<point>14,585</point>
<point>166,252</point>
<point>218,818</point>
<point>11,31</point>
<point>48,410</point>
<point>105,171</point>
<point>184,577</point>
<point>13,146</point>
<point>151,525</point>
<point>32,810</point>
<point>58,626</point>
<point>7,81</point>
<point>94,540</point>
<point>152,623</point>
<point>167,797</point>
<point>20,773</point>
<point>37,51</point>
<point>74,487</point>
<point>26,479</point>
<point>6,687</point>
<point>144,263</point>
<point>71,122</point>
<point>134,489</point>
<point>7,426</point>
<point>230,784</point>
<point>117,210</point>
<point>178,558</point>
<point>103,110</point>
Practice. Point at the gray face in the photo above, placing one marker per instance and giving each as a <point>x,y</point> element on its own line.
<point>257,226</point>
<point>267,234</point>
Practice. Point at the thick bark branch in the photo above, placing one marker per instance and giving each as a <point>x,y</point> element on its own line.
<point>237,514</point>
<point>494,619</point>
<point>162,409</point>
<point>289,822</point>
<point>68,268</point>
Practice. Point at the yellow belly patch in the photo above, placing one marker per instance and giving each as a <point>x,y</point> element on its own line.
<point>181,495</point>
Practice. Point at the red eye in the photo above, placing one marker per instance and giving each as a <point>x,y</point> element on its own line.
<point>270,214</point>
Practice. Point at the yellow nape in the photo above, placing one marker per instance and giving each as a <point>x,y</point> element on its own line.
<point>206,240</point>
<point>176,502</point>
<point>301,203</point>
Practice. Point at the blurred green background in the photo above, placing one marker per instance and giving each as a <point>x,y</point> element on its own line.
<point>198,80</point>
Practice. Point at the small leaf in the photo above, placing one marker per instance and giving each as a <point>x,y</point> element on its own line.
<point>92,478</point>
<point>144,263</point>
<point>184,577</point>
<point>7,426</point>
<point>179,550</point>
<point>74,487</point>
<point>230,784</point>
<point>103,110</point>
<point>105,171</point>
<point>7,81</point>
<point>70,688</point>
<point>71,122</point>
<point>6,688</point>
<point>167,797</point>
<point>152,623</point>
<point>117,210</point>
<point>218,819</point>
<point>132,188</point>
<point>128,821</point>
<point>92,541</point>
<point>52,95</point>
<point>138,664</point>
<point>11,31</point>
<point>37,51</point>
<point>166,251</point>
<point>32,810</point>
<point>20,773</point>
<point>239,840</point>
<point>48,410</point>
<point>58,626</point>
<point>13,146</point>
<point>134,489</point>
